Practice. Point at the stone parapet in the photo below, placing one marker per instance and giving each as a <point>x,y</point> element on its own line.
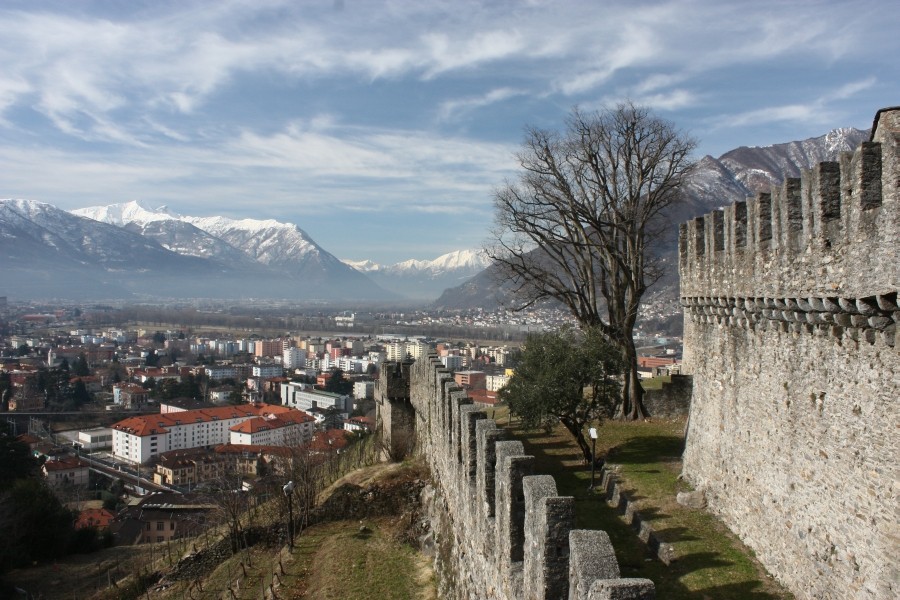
<point>507,534</point>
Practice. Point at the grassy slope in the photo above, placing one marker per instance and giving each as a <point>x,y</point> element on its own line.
<point>711,562</point>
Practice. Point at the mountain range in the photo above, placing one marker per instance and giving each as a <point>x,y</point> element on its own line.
<point>133,252</point>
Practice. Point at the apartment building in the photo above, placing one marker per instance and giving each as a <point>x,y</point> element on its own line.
<point>138,439</point>
<point>470,380</point>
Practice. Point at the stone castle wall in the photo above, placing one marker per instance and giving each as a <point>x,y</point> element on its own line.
<point>502,532</point>
<point>791,318</point>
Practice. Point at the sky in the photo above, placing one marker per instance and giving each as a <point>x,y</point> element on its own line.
<point>383,128</point>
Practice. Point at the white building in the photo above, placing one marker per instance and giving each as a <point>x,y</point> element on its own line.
<point>138,439</point>
<point>363,390</point>
<point>294,358</point>
<point>493,383</point>
<point>304,397</point>
<point>396,351</point>
<point>220,372</point>
<point>417,349</point>
<point>352,364</point>
<point>286,429</point>
<point>66,471</point>
<point>94,439</point>
<point>267,371</point>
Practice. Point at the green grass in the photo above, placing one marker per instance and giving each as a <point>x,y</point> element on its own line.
<point>366,565</point>
<point>655,383</point>
<point>711,562</point>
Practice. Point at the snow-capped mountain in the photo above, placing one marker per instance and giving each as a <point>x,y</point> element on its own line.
<point>425,279</point>
<point>46,251</point>
<point>758,168</point>
<point>281,247</point>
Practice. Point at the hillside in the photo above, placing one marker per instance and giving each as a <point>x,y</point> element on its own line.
<point>359,549</point>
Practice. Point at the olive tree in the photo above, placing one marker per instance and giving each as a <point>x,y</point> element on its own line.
<point>582,222</point>
<point>570,377</point>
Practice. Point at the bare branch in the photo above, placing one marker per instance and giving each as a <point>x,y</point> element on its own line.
<point>580,223</point>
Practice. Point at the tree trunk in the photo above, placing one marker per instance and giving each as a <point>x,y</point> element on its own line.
<point>577,431</point>
<point>632,392</point>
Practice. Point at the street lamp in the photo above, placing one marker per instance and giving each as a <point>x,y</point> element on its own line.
<point>288,490</point>
<point>593,433</point>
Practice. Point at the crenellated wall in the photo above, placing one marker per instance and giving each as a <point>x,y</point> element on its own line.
<point>502,531</point>
<point>791,317</point>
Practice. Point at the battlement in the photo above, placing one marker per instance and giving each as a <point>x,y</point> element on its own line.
<point>790,337</point>
<point>513,536</point>
<point>826,234</point>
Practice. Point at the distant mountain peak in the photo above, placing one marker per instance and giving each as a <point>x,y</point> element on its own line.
<point>843,139</point>
<point>135,211</point>
<point>425,279</point>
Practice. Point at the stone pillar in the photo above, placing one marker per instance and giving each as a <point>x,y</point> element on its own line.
<point>469,416</point>
<point>591,558</point>
<point>622,589</point>
<point>487,437</point>
<point>512,467</point>
<point>548,520</point>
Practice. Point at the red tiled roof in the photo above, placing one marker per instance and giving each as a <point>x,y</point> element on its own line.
<point>271,421</point>
<point>331,439</point>
<point>482,396</point>
<point>655,361</point>
<point>157,424</point>
<point>65,463</point>
<point>94,517</point>
<point>27,438</point>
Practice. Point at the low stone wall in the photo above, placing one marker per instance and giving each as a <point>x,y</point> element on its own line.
<point>618,499</point>
<point>673,400</point>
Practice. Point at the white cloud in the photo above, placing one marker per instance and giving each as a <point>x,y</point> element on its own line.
<point>816,110</point>
<point>452,108</point>
<point>851,89</point>
<point>669,100</point>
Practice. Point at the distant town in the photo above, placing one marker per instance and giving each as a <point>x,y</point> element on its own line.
<point>119,413</point>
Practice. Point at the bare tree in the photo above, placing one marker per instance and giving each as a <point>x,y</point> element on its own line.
<point>226,493</point>
<point>580,224</point>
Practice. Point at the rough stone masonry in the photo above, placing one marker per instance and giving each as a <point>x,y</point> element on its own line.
<point>501,531</point>
<point>790,304</point>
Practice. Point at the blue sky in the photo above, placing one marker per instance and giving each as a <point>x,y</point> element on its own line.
<point>382,128</point>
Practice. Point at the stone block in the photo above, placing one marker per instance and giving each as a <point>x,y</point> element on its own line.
<point>695,499</point>
<point>591,557</point>
<point>622,589</point>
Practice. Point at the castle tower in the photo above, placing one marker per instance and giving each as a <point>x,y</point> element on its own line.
<point>394,414</point>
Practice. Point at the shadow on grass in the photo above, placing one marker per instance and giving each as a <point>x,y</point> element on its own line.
<point>648,449</point>
<point>747,589</point>
<point>635,557</point>
<point>540,440</point>
<point>670,535</point>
